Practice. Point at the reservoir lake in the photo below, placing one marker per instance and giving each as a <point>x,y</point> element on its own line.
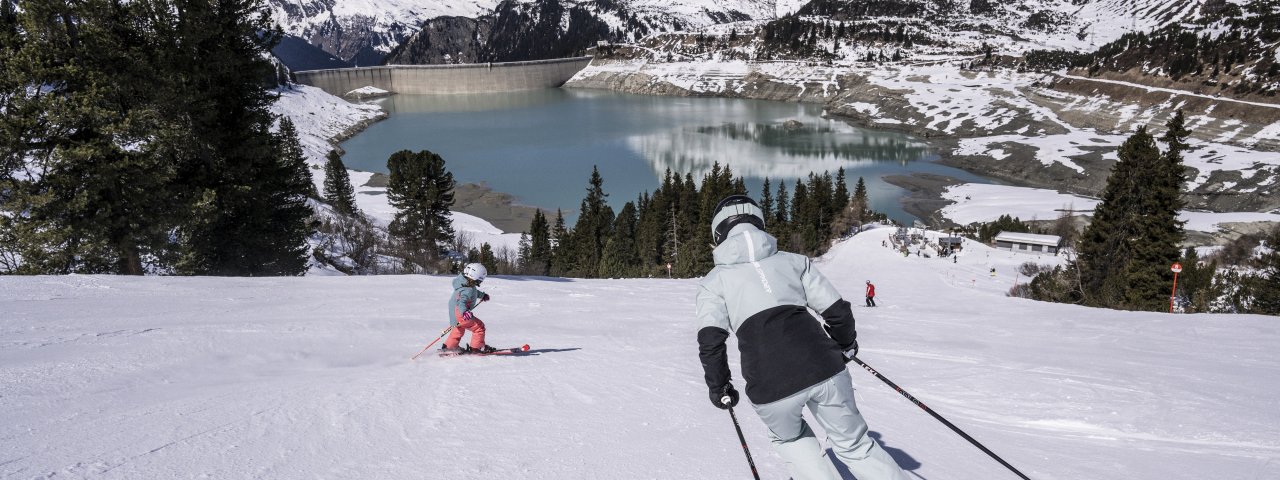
<point>539,146</point>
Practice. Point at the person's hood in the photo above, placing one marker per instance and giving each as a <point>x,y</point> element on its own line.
<point>745,243</point>
<point>459,282</point>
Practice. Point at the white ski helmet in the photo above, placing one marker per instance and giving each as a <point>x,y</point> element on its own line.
<point>731,211</point>
<point>475,271</point>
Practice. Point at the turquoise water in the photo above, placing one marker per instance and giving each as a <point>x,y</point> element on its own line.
<point>540,146</point>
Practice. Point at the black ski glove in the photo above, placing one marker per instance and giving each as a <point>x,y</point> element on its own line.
<point>718,394</point>
<point>484,297</point>
<point>850,350</point>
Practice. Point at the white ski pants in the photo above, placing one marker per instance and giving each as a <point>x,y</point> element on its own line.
<point>832,405</point>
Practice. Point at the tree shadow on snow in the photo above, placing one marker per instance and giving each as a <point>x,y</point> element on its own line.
<point>903,459</point>
<point>531,278</point>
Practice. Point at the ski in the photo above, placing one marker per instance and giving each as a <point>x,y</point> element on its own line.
<point>501,351</point>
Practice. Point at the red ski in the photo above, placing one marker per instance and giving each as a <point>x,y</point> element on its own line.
<point>501,351</point>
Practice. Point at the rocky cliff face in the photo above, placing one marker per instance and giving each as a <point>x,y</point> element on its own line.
<point>364,31</point>
<point>444,40</point>
<point>515,31</point>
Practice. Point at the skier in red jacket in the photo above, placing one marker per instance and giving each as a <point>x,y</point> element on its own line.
<point>871,294</point>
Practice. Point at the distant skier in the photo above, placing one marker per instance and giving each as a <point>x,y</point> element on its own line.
<point>465,298</point>
<point>871,294</point>
<point>788,363</point>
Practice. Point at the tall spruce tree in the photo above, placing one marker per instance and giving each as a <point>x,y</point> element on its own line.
<point>561,247</point>
<point>766,203</point>
<point>539,245</point>
<point>781,228</point>
<point>860,203</point>
<point>230,163</point>
<point>840,198</point>
<point>488,259</point>
<point>1126,251</point>
<point>592,229</point>
<point>337,185</point>
<point>421,189</point>
<point>292,154</point>
<point>523,264</point>
<point>803,222</point>
<point>621,257</point>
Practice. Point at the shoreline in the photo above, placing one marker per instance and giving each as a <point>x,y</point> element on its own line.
<point>479,200</point>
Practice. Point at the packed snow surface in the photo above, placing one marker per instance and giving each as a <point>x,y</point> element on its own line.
<point>975,202</point>
<point>163,377</point>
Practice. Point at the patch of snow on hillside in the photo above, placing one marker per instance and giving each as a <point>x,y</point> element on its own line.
<point>1209,221</point>
<point>975,202</point>
<point>320,117</point>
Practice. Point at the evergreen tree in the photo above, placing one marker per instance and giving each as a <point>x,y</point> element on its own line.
<point>100,197</point>
<point>781,228</point>
<point>487,259</point>
<point>803,222</point>
<point>337,185</point>
<point>1195,283</point>
<point>539,245</point>
<point>840,198</point>
<point>421,190</point>
<point>216,55</point>
<point>561,247</point>
<point>1265,286</point>
<point>621,257</point>
<point>687,226</point>
<point>293,155</point>
<point>766,203</point>
<point>861,204</point>
<point>593,228</point>
<point>151,135</point>
<point>523,263</point>
<point>1126,251</point>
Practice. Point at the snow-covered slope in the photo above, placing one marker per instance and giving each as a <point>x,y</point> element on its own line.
<point>368,29</point>
<point>160,377</point>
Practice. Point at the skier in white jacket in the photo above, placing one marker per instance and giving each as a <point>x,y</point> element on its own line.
<point>788,362</point>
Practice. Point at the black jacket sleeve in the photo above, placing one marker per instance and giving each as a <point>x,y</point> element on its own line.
<point>840,323</point>
<point>711,350</point>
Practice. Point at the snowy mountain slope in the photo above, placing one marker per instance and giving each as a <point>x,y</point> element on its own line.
<point>366,30</point>
<point>348,28</point>
<point>160,377</point>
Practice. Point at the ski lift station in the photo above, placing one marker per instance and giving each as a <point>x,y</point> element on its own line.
<point>1028,242</point>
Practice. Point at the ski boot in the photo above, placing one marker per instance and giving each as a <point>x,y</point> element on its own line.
<point>483,350</point>
<point>454,350</point>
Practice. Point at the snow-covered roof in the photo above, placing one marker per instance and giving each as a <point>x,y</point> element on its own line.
<point>1029,238</point>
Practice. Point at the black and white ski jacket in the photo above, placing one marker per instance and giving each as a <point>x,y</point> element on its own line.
<point>763,296</point>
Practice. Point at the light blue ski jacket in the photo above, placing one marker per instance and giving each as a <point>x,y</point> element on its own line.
<point>464,299</point>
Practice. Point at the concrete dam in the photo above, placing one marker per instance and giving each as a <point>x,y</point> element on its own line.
<point>433,79</point>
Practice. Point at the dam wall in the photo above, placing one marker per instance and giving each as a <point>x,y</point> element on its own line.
<point>433,79</point>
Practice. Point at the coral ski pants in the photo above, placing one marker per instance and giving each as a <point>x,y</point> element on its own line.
<point>474,325</point>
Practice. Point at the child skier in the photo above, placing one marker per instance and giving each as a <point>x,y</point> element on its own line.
<point>465,298</point>
<point>871,294</point>
<point>763,296</point>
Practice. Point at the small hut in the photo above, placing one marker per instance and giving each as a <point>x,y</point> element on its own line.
<point>1028,242</point>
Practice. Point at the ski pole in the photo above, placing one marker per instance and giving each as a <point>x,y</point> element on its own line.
<point>935,415</point>
<point>744,443</point>
<point>433,342</point>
